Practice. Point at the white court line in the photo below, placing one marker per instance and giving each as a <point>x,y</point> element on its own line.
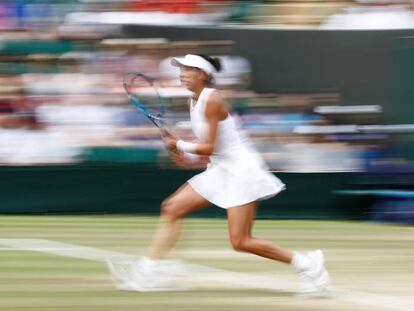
<point>207,276</point>
<point>63,249</point>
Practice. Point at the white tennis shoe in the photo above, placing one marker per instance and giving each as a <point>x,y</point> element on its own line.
<point>316,273</point>
<point>147,275</point>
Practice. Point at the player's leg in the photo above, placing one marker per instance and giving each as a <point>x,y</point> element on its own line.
<point>152,274</point>
<point>240,220</point>
<point>181,203</point>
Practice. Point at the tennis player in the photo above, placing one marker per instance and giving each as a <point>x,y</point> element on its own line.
<point>236,177</point>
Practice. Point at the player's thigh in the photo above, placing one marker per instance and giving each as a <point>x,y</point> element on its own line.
<point>184,201</point>
<point>240,220</point>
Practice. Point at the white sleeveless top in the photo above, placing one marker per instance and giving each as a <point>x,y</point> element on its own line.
<point>237,173</point>
<point>231,142</point>
<point>228,137</point>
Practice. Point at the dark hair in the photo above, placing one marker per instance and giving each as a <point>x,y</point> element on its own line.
<point>215,61</point>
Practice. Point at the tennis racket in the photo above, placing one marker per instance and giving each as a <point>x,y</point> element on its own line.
<point>145,94</point>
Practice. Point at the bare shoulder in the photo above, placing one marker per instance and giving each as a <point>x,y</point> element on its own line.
<point>216,96</point>
<point>216,105</point>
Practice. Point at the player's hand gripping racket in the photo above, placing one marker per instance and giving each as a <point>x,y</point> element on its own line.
<point>145,94</point>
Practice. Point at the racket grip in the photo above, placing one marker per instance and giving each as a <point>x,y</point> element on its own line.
<point>165,133</point>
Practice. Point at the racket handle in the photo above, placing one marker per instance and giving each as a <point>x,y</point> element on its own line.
<point>165,133</point>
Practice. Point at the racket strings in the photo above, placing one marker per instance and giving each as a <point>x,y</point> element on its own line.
<point>145,90</point>
<point>145,94</point>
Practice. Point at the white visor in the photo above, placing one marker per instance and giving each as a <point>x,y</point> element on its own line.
<point>196,61</point>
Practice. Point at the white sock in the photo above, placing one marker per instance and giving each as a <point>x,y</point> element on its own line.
<point>300,262</point>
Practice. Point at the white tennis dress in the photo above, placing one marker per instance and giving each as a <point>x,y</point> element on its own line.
<point>236,174</point>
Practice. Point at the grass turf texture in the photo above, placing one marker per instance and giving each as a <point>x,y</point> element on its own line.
<point>364,257</point>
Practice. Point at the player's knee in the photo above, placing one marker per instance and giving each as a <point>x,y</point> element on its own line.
<point>239,244</point>
<point>164,206</point>
<point>170,209</point>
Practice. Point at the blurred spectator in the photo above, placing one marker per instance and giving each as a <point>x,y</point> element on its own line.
<point>373,14</point>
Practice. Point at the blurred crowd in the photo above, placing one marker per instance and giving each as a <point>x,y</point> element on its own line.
<point>106,15</point>
<point>62,100</point>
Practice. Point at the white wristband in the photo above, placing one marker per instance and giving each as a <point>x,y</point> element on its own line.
<point>184,146</point>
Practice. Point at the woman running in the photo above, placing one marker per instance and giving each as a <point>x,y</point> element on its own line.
<point>236,177</point>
